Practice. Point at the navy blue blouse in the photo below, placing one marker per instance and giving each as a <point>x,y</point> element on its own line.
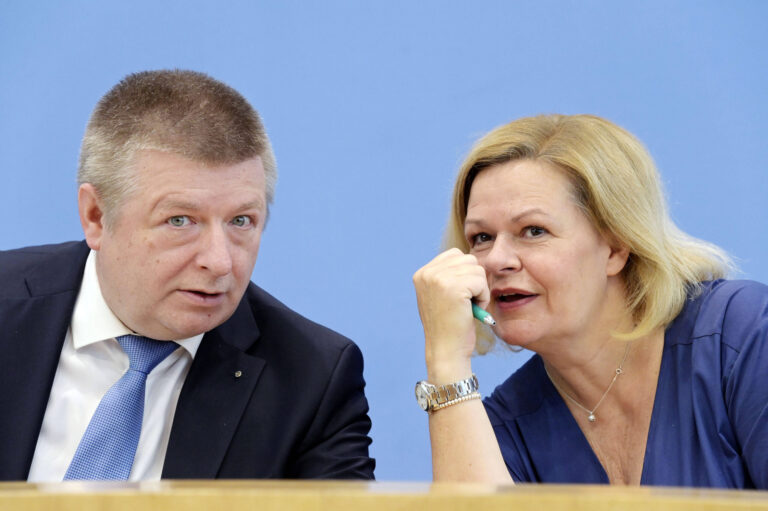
<point>709,425</point>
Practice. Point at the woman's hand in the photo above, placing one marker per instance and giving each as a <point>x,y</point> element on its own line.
<point>445,288</point>
<point>464,446</point>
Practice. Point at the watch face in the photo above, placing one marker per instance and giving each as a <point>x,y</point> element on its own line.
<point>422,395</point>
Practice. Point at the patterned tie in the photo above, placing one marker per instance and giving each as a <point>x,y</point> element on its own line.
<point>108,446</point>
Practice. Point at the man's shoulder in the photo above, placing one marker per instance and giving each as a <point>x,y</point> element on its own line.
<point>33,255</point>
<point>41,264</point>
<point>275,318</point>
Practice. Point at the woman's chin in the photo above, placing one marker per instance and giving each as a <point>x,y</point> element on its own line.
<point>518,341</point>
<point>517,333</point>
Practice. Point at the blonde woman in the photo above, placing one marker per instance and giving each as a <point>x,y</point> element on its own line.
<point>649,368</point>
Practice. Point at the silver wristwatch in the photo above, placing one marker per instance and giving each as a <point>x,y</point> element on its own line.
<point>432,397</point>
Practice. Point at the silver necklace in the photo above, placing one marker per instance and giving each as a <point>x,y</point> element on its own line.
<point>591,417</point>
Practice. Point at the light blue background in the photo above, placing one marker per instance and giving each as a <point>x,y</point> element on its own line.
<point>371,106</point>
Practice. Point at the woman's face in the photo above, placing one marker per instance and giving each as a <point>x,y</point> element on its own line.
<point>548,268</point>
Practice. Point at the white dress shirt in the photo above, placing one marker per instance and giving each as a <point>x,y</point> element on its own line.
<point>91,362</point>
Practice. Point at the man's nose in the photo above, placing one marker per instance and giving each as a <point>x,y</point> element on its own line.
<point>215,253</point>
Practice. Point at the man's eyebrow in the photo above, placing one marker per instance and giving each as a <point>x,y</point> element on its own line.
<point>187,205</point>
<point>177,204</point>
<point>254,204</point>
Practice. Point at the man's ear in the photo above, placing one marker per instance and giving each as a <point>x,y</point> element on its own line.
<point>91,210</point>
<point>617,259</point>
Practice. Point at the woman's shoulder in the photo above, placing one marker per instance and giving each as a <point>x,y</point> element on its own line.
<point>727,308</point>
<point>520,394</point>
<point>722,292</point>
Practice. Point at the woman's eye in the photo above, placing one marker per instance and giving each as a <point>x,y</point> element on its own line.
<point>179,221</point>
<point>480,238</point>
<point>534,231</point>
<point>241,221</point>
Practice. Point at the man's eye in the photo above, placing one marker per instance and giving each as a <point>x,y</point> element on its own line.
<point>179,221</point>
<point>241,221</point>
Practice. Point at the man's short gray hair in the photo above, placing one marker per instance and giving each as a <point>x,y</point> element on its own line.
<point>182,112</point>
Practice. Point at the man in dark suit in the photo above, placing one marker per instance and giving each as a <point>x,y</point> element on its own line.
<point>175,179</point>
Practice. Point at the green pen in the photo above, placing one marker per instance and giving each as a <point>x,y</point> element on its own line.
<point>482,315</point>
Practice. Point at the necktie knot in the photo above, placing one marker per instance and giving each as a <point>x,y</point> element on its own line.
<point>145,353</point>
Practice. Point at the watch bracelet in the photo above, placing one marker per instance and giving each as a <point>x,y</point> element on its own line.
<point>467,384</point>
<point>474,395</point>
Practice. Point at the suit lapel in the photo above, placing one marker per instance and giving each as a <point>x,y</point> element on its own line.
<point>32,331</point>
<point>214,397</point>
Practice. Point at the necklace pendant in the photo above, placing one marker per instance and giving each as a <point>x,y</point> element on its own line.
<point>592,417</point>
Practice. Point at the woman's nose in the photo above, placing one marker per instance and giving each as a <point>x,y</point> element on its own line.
<point>503,256</point>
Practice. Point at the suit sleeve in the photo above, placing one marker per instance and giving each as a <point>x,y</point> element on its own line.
<point>336,445</point>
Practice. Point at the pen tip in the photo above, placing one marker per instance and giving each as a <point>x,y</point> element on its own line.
<point>488,320</point>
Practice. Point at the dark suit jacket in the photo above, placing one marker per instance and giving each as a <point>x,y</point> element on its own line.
<point>297,411</point>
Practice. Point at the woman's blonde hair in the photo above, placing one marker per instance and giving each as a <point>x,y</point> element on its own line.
<point>616,184</point>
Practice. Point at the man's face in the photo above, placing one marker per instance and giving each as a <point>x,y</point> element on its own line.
<point>179,254</point>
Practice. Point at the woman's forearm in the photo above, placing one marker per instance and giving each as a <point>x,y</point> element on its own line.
<point>464,446</point>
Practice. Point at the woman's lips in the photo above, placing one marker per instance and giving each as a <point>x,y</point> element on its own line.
<point>512,299</point>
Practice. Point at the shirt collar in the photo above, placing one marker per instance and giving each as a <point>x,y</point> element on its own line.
<point>93,321</point>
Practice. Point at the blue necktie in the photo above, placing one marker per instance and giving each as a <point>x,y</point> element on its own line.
<point>108,446</point>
